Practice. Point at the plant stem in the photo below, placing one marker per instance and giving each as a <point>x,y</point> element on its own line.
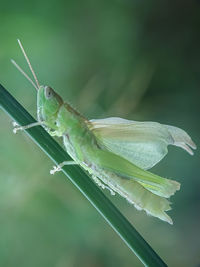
<point>79,178</point>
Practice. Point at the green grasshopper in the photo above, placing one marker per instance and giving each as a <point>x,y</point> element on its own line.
<point>116,152</point>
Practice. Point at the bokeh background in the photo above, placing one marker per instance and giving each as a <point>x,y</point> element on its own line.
<point>138,60</point>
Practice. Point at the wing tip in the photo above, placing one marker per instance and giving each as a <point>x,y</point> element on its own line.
<point>186,147</point>
<point>182,139</point>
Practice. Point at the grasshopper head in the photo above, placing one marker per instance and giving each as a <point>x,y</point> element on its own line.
<point>48,105</point>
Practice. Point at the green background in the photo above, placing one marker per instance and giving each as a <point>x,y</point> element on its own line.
<point>138,60</point>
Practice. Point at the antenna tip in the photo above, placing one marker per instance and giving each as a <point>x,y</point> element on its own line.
<point>19,42</point>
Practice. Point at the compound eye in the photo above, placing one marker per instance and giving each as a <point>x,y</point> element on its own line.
<point>48,92</point>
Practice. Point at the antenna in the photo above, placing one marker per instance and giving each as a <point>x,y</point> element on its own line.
<point>30,67</point>
<point>29,64</point>
<point>24,73</point>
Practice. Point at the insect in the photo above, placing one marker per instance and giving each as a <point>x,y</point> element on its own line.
<point>116,152</point>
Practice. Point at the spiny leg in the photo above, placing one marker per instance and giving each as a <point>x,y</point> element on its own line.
<point>17,127</point>
<point>59,167</point>
<point>103,186</point>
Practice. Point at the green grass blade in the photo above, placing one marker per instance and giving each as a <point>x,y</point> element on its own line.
<point>79,178</point>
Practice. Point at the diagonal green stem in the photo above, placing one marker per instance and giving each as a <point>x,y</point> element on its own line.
<point>78,177</point>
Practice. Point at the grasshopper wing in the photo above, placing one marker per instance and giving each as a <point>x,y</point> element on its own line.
<point>142,143</point>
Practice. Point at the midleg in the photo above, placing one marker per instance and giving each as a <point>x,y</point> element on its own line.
<point>59,167</point>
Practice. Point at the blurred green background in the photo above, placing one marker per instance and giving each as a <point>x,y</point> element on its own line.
<point>138,60</point>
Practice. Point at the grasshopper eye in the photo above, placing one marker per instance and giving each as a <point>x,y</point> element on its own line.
<point>48,91</point>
